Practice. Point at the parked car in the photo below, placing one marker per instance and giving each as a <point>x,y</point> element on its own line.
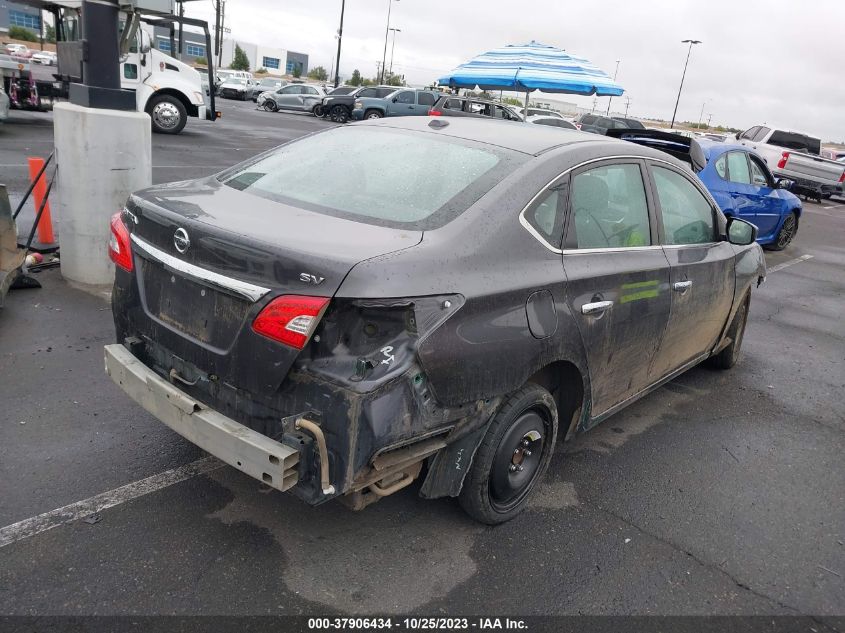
<point>267,84</point>
<point>300,97</point>
<point>339,108</point>
<point>236,88</point>
<point>597,124</point>
<point>832,153</point>
<point>551,121</point>
<point>4,103</point>
<point>47,58</point>
<point>19,50</point>
<point>629,122</point>
<point>401,102</point>
<point>471,107</point>
<point>538,112</point>
<point>737,178</point>
<point>224,74</point>
<point>795,155</point>
<point>463,293</point>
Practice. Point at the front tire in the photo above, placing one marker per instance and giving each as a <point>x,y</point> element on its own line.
<point>373,114</point>
<point>167,113</point>
<point>512,457</point>
<point>270,105</point>
<point>339,114</point>
<point>729,356</point>
<point>788,231</point>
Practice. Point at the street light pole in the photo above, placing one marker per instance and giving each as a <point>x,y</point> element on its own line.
<point>678,100</point>
<point>627,105</point>
<point>615,72</point>
<point>701,116</point>
<point>386,32</point>
<point>393,47</point>
<point>339,38</point>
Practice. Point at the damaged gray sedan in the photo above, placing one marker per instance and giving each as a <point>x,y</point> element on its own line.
<point>446,306</point>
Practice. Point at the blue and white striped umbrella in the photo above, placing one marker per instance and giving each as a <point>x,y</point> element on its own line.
<point>531,67</point>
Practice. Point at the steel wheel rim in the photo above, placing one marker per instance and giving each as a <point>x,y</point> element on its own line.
<point>166,115</point>
<point>373,115</point>
<point>517,461</point>
<point>787,231</point>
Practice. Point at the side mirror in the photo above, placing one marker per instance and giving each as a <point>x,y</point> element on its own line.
<point>395,99</point>
<point>740,232</point>
<point>145,42</point>
<point>785,183</point>
<point>737,135</point>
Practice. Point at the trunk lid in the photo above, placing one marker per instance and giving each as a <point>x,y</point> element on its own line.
<point>677,145</point>
<point>208,258</point>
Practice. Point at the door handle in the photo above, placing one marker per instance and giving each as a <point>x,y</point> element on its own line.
<point>596,307</point>
<point>682,286</point>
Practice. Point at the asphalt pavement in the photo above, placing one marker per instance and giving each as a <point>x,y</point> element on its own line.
<point>720,493</point>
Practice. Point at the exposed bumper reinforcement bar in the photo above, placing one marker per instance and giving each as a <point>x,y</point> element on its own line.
<point>239,446</point>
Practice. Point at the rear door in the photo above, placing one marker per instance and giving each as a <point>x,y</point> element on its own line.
<point>701,269</point>
<point>617,277</point>
<point>424,102</point>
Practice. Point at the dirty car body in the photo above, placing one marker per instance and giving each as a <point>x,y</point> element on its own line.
<point>331,340</point>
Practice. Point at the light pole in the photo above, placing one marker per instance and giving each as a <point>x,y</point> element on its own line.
<point>386,33</point>
<point>339,38</point>
<point>615,72</point>
<point>393,47</point>
<point>678,100</point>
<point>701,116</point>
<point>627,105</point>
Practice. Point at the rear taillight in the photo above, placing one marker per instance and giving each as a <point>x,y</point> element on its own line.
<point>434,112</point>
<point>119,251</point>
<point>290,319</point>
<point>842,178</point>
<point>783,158</point>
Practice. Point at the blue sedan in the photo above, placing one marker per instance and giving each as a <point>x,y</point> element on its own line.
<point>744,187</point>
<point>737,178</point>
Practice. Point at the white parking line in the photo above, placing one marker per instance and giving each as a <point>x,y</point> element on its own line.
<point>791,262</point>
<point>75,511</point>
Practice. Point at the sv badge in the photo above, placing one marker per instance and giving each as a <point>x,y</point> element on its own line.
<point>311,279</point>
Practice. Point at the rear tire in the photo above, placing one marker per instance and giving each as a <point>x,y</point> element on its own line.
<point>318,110</point>
<point>512,457</point>
<point>788,231</point>
<point>729,356</point>
<point>373,114</point>
<point>167,114</point>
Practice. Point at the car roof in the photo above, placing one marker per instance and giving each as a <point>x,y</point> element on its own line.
<point>525,138</point>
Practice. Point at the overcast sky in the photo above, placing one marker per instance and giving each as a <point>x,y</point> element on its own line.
<point>761,61</point>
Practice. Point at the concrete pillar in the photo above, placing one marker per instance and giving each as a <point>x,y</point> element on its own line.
<point>102,156</point>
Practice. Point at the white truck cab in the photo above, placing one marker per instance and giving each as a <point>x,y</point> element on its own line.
<point>168,90</point>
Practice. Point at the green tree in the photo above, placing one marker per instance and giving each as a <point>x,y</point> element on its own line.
<point>297,71</point>
<point>240,60</point>
<point>201,61</point>
<point>391,79</point>
<point>50,33</point>
<point>21,33</point>
<point>319,73</point>
<point>356,79</point>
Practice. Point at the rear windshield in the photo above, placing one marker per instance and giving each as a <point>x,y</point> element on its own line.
<point>381,176</point>
<point>793,140</point>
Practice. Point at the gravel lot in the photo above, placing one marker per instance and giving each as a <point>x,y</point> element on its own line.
<point>722,492</point>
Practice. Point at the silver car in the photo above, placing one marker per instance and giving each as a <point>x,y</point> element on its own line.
<point>4,104</point>
<point>301,97</point>
<point>267,84</point>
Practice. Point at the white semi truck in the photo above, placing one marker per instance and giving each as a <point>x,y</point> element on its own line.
<point>167,89</point>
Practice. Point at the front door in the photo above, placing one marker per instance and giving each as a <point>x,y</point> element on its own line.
<point>617,278</point>
<point>402,104</point>
<point>702,269</point>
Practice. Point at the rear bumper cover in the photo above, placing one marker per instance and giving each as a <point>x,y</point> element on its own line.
<point>239,446</point>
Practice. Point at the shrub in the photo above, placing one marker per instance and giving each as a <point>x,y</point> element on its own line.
<point>21,33</point>
<point>201,61</point>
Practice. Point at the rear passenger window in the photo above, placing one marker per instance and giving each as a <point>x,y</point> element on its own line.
<point>453,104</point>
<point>609,207</point>
<point>687,214</point>
<point>738,168</point>
<point>425,98</point>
